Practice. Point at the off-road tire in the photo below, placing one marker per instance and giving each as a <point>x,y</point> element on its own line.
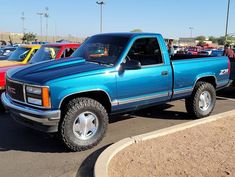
<point>192,103</point>
<point>74,108</point>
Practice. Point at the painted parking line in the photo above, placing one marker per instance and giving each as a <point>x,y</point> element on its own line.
<point>230,99</point>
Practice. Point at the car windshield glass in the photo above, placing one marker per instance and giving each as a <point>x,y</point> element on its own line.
<point>19,54</point>
<point>217,53</point>
<point>1,51</point>
<point>102,49</point>
<point>45,53</point>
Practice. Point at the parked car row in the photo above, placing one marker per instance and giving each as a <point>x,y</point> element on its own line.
<point>6,52</point>
<point>108,74</point>
<point>211,52</point>
<point>197,50</point>
<point>31,54</point>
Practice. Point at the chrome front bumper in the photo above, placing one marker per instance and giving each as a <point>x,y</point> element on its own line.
<point>43,120</point>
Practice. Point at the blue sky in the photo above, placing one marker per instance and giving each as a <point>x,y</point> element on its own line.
<point>80,18</point>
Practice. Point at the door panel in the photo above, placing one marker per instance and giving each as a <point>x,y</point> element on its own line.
<point>149,84</point>
<point>144,86</point>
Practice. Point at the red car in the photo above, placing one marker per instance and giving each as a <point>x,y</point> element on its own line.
<point>45,53</point>
<point>54,51</point>
<point>194,50</point>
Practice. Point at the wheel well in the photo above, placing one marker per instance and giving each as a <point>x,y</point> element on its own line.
<point>99,96</point>
<point>209,79</point>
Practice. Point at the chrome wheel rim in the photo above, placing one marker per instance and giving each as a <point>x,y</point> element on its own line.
<point>85,125</point>
<point>205,100</point>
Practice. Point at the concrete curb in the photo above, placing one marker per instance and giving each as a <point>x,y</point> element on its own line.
<point>102,163</point>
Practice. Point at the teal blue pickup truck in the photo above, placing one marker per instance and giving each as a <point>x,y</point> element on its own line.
<point>110,74</point>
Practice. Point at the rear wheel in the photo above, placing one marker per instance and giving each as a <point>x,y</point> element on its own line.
<point>84,124</point>
<point>202,101</point>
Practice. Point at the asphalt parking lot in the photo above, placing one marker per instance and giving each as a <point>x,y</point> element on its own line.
<point>25,152</point>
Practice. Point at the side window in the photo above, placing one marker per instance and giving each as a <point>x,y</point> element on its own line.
<point>32,54</point>
<point>68,52</point>
<point>146,51</point>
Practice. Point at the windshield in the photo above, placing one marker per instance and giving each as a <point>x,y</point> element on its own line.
<point>217,53</point>
<point>19,54</point>
<point>102,49</point>
<point>1,52</point>
<point>45,53</point>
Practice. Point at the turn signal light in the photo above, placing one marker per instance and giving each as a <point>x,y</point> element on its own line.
<point>46,102</point>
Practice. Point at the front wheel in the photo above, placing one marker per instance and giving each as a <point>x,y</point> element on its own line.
<point>84,124</point>
<point>202,101</point>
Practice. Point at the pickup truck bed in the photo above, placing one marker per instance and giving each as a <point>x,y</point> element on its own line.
<point>178,57</point>
<point>183,78</point>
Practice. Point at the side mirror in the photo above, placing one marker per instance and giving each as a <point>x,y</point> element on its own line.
<point>131,65</point>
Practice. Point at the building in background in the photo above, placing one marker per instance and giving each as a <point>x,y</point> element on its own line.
<point>187,42</point>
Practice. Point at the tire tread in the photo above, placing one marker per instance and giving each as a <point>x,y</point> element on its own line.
<point>73,106</point>
<point>191,102</point>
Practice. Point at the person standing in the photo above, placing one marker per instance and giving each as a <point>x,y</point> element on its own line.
<point>170,47</point>
<point>228,52</point>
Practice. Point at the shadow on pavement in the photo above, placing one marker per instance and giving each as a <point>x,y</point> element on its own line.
<point>155,112</point>
<point>87,167</point>
<point>227,93</point>
<point>16,137</point>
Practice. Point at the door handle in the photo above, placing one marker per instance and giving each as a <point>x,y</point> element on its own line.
<point>164,73</point>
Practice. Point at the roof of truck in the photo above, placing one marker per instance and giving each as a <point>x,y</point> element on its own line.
<point>63,44</point>
<point>128,34</point>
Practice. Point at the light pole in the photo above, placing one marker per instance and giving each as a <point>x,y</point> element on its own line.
<point>101,3</point>
<point>40,14</point>
<point>23,19</point>
<point>226,28</point>
<point>191,32</point>
<point>46,15</point>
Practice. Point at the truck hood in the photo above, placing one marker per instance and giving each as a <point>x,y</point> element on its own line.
<point>5,63</point>
<point>41,73</point>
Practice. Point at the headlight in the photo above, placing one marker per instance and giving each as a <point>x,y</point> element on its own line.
<point>34,90</point>
<point>34,101</point>
<point>38,96</point>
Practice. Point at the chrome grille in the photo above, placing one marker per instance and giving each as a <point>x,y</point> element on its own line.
<point>15,90</point>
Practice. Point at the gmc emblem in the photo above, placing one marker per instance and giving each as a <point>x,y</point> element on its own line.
<point>11,90</point>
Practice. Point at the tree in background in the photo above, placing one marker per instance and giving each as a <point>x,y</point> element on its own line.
<point>201,38</point>
<point>213,39</point>
<point>136,31</point>
<point>28,37</point>
<point>221,40</point>
<point>230,40</point>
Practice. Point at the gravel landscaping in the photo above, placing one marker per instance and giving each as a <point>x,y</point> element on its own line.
<point>202,151</point>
